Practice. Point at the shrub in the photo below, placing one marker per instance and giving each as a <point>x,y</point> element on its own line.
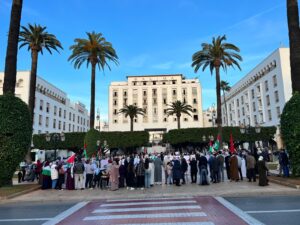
<point>290,130</point>
<point>15,135</point>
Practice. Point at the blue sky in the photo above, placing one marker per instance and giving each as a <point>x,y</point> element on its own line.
<point>150,37</point>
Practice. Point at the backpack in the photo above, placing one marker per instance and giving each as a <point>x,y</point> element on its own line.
<point>78,168</point>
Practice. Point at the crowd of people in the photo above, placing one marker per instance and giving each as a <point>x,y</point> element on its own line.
<point>139,171</point>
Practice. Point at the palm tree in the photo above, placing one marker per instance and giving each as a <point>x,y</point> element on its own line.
<point>36,38</point>
<point>132,111</point>
<point>225,87</point>
<point>215,55</point>
<point>177,108</point>
<point>95,51</point>
<point>294,37</point>
<point>10,71</point>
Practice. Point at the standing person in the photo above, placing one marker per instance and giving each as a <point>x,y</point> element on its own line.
<point>38,170</point>
<point>227,157</point>
<point>262,171</point>
<point>239,158</point>
<point>54,175</point>
<point>46,172</point>
<point>165,162</point>
<point>169,173</point>
<point>220,159</point>
<point>183,168</point>
<point>23,166</point>
<point>215,168</point>
<point>151,166</point>
<point>61,176</point>
<point>203,170</point>
<point>122,174</point>
<point>114,176</point>
<point>234,170</point>
<point>176,171</point>
<point>280,163</point>
<point>140,174</point>
<point>89,173</point>
<point>285,163</point>
<point>158,170</point>
<point>79,171</point>
<point>130,175</point>
<point>194,170</point>
<point>250,164</point>
<point>147,173</point>
<point>70,184</point>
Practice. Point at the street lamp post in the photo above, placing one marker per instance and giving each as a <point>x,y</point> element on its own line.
<point>56,138</point>
<point>248,130</point>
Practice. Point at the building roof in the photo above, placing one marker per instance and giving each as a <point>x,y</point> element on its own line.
<point>160,75</point>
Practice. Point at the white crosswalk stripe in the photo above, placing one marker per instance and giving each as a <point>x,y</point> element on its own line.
<point>146,203</point>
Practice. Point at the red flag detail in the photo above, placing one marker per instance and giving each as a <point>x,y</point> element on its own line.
<point>231,147</point>
<point>71,159</point>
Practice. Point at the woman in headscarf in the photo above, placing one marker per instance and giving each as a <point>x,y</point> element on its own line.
<point>46,172</point>
<point>70,184</point>
<point>262,171</point>
<point>114,176</point>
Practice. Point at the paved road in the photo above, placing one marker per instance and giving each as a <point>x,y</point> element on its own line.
<point>279,210</point>
<point>271,210</point>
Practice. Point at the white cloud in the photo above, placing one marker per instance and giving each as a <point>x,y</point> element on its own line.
<point>137,61</point>
<point>186,65</point>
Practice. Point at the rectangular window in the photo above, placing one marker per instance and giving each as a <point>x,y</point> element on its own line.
<point>276,96</point>
<point>174,91</point>
<point>278,111</point>
<point>195,101</point>
<point>239,114</point>
<point>70,116</point>
<point>69,127</point>
<point>125,93</point>
<point>254,106</point>
<point>115,94</point>
<point>41,104</point>
<point>144,93</point>
<point>237,103</point>
<point>64,126</point>
<point>268,100</point>
<point>73,117</point>
<point>154,82</point>
<point>144,83</point>
<point>47,107</point>
<point>59,125</point>
<point>59,112</point>
<point>55,110</point>
<point>40,120</point>
<point>242,100</point>
<point>115,102</point>
<point>73,128</point>
<point>270,115</point>
<point>243,111</point>
<point>54,123</point>
<point>252,94</point>
<point>274,81</point>
<point>115,112</point>
<point>154,101</point>
<point>78,119</point>
<point>173,81</point>
<point>266,85</point>
<point>65,114</point>
<point>255,119</point>
<point>195,117</point>
<point>165,101</point>
<point>47,121</point>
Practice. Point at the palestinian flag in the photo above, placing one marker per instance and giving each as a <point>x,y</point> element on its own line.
<point>210,147</point>
<point>231,146</point>
<point>217,143</point>
<point>71,159</point>
<point>84,151</point>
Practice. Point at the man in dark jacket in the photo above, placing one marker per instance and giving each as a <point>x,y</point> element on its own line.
<point>194,170</point>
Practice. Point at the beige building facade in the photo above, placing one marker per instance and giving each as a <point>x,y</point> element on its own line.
<point>154,93</point>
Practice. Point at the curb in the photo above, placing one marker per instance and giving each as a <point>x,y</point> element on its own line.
<point>20,193</point>
<point>284,183</point>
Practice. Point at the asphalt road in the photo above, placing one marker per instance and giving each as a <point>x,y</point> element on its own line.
<point>273,210</point>
<point>270,210</point>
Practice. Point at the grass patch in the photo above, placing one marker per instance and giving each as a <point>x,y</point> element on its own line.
<point>7,191</point>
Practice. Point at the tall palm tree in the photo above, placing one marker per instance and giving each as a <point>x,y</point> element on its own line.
<point>132,111</point>
<point>225,87</point>
<point>95,51</point>
<point>215,55</point>
<point>36,38</point>
<point>10,71</point>
<point>177,108</point>
<point>294,37</point>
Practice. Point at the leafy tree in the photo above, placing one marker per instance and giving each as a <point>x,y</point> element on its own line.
<point>294,37</point>
<point>225,87</point>
<point>177,108</point>
<point>132,111</point>
<point>36,38</point>
<point>95,51</point>
<point>10,71</point>
<point>216,55</point>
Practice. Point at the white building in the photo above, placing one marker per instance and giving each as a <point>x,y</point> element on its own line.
<point>210,117</point>
<point>53,110</point>
<point>153,94</point>
<point>259,97</point>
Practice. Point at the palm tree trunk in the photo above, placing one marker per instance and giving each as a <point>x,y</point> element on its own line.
<point>92,109</point>
<point>178,122</point>
<point>33,73</point>
<point>131,124</point>
<point>10,72</point>
<point>219,112</point>
<point>226,114</point>
<point>294,37</point>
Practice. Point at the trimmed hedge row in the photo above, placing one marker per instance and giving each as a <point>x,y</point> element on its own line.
<point>290,130</point>
<point>194,135</point>
<point>75,141</point>
<point>15,135</point>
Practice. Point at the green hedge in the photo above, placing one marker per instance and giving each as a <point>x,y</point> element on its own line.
<point>75,141</point>
<point>15,135</point>
<point>194,135</point>
<point>290,130</point>
<point>90,140</point>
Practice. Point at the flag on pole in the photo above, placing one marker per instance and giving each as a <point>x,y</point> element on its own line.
<point>231,145</point>
<point>217,143</point>
<point>210,147</point>
<point>84,151</point>
<point>71,159</point>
